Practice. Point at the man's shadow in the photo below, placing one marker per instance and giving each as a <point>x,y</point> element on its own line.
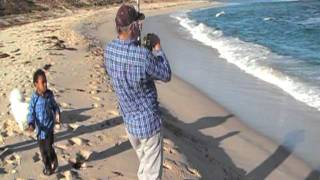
<point>278,157</point>
<point>64,135</point>
<point>192,132</point>
<point>208,145</point>
<point>75,115</point>
<point>314,175</point>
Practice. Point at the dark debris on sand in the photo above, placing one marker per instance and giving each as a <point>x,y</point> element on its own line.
<point>58,44</point>
<point>4,55</point>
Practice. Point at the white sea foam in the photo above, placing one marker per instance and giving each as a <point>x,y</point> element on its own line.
<point>314,20</point>
<point>251,58</point>
<point>220,14</point>
<point>268,18</point>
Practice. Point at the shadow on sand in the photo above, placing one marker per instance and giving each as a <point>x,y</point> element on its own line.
<point>67,134</point>
<point>211,151</point>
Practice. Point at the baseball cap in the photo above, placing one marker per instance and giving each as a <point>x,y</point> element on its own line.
<point>126,15</point>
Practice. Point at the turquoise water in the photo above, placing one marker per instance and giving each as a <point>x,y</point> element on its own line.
<point>278,42</point>
<point>287,28</point>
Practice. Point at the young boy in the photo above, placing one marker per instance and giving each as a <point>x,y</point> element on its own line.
<point>43,112</point>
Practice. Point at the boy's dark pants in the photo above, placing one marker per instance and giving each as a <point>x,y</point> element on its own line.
<point>48,154</point>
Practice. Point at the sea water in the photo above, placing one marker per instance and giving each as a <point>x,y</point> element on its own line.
<point>277,42</point>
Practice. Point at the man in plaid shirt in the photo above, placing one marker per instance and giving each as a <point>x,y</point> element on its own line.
<point>133,70</point>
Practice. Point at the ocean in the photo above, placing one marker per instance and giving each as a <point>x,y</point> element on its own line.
<point>277,42</point>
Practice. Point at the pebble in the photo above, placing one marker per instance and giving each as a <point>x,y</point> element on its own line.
<point>96,98</point>
<point>73,126</point>
<point>168,164</point>
<point>193,171</point>
<point>96,105</point>
<point>67,175</point>
<point>113,112</point>
<point>85,154</point>
<point>13,171</point>
<point>93,92</point>
<point>77,141</point>
<point>61,146</point>
<point>65,105</point>
<point>168,141</point>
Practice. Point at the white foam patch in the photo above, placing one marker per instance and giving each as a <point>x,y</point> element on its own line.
<point>220,14</point>
<point>251,58</point>
<point>314,20</point>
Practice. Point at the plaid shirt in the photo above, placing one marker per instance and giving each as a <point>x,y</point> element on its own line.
<point>42,111</point>
<point>133,70</point>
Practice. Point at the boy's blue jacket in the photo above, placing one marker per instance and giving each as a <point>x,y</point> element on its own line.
<point>42,111</point>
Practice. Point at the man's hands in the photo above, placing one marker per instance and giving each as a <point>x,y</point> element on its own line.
<point>157,47</point>
<point>152,42</point>
<point>155,42</point>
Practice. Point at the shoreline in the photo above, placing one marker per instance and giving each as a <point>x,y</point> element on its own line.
<point>271,144</point>
<point>197,144</point>
<point>246,149</point>
<point>262,106</point>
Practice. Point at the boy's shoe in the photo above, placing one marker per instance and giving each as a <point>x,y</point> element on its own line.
<point>55,165</point>
<point>47,171</point>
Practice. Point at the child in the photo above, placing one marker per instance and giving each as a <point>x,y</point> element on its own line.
<point>43,112</point>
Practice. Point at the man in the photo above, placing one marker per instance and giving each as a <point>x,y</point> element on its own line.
<point>133,70</point>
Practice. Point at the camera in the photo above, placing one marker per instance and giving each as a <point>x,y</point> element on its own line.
<point>150,40</point>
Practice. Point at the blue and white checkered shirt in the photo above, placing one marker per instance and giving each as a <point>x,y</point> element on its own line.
<point>133,70</point>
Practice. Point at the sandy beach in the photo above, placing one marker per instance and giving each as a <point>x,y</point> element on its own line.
<point>202,140</point>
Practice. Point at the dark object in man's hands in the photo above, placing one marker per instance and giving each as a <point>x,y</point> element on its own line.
<point>150,40</point>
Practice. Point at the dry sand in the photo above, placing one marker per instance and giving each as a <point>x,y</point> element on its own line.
<point>92,143</point>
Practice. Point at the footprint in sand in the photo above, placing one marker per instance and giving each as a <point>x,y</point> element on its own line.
<point>169,150</point>
<point>93,82</point>
<point>47,67</point>
<point>169,164</point>
<point>80,90</point>
<point>94,91</point>
<point>26,62</point>
<point>97,105</point>
<point>36,157</point>
<point>15,51</point>
<point>78,141</point>
<point>4,55</point>
<point>117,173</point>
<point>13,159</point>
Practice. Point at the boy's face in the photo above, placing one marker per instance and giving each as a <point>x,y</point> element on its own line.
<point>41,85</point>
